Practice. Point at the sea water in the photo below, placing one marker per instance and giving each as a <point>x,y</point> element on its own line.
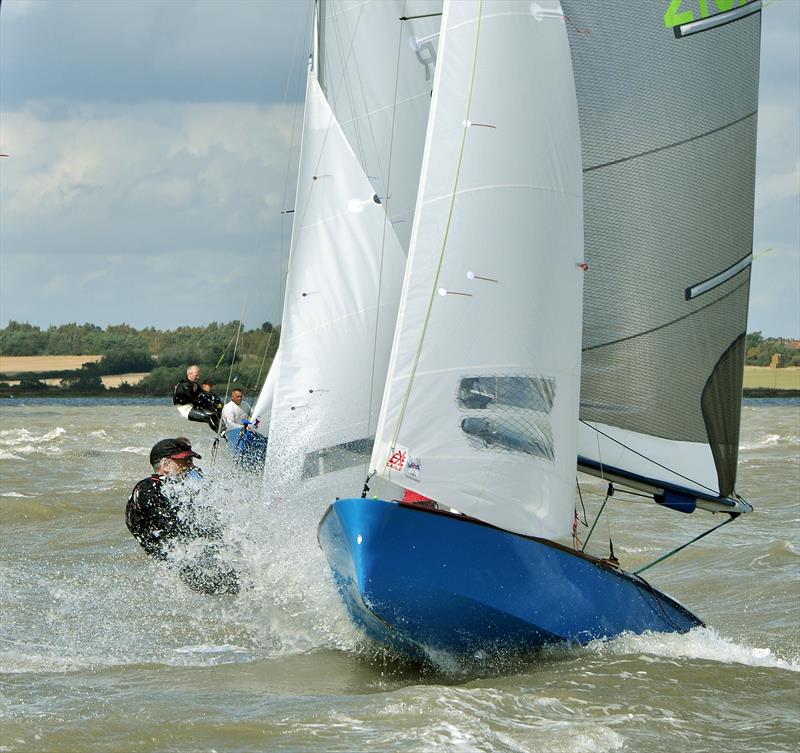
<point>104,649</point>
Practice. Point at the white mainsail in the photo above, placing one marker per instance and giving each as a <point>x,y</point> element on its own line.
<point>343,281</point>
<point>376,66</point>
<point>481,405</point>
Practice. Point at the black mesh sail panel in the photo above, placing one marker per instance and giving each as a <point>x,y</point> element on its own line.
<point>668,99</point>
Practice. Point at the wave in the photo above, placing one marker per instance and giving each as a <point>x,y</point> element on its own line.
<point>700,643</point>
<point>25,442</point>
<point>134,450</point>
<point>770,440</point>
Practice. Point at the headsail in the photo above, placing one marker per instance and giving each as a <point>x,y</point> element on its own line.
<point>262,410</point>
<point>668,97</point>
<point>481,404</point>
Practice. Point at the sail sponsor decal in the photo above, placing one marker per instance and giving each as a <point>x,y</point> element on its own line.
<point>397,458</point>
<point>413,468</point>
<point>686,17</point>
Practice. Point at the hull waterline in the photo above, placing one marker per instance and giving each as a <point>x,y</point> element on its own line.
<point>421,581</point>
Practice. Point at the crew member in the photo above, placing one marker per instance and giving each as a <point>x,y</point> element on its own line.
<point>186,398</point>
<point>236,413</point>
<point>162,513</point>
<point>208,398</point>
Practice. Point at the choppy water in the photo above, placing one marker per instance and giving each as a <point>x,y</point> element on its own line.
<point>102,649</point>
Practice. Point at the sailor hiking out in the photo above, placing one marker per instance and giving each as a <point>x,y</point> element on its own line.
<point>192,403</point>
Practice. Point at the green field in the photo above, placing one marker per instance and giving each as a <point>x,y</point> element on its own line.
<point>764,377</point>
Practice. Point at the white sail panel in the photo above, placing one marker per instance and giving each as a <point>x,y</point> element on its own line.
<point>376,66</point>
<point>262,410</point>
<point>481,405</point>
<point>342,293</point>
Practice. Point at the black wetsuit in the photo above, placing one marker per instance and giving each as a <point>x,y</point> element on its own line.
<point>189,393</point>
<point>160,513</point>
<point>210,400</point>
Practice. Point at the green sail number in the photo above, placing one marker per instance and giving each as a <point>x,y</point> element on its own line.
<point>675,16</point>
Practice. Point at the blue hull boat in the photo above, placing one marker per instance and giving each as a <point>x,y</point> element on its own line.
<point>248,448</point>
<point>423,580</point>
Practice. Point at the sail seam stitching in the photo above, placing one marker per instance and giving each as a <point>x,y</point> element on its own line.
<point>670,146</point>
<point>667,324</point>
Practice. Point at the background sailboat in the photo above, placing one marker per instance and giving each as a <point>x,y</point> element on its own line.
<point>367,101</point>
<point>480,408</point>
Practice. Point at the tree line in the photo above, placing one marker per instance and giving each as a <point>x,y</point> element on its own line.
<point>761,349</point>
<point>222,350</point>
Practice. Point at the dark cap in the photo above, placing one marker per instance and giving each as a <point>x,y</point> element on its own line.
<point>173,449</point>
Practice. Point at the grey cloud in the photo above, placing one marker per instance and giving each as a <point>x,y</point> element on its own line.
<point>182,51</point>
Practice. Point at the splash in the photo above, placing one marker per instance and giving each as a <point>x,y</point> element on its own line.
<point>700,643</point>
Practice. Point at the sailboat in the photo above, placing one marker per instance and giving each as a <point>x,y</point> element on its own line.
<point>574,298</point>
<point>366,112</point>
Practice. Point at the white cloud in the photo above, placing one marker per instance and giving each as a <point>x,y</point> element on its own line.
<point>781,186</point>
<point>152,192</point>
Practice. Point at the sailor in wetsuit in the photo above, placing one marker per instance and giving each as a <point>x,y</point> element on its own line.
<point>207,398</point>
<point>161,513</point>
<point>186,398</point>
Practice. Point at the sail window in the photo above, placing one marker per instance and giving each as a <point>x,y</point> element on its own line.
<point>531,393</point>
<point>719,19</point>
<point>529,436</point>
<point>337,457</point>
<point>513,413</point>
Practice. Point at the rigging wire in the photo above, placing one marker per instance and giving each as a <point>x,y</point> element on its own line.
<point>302,31</point>
<point>641,455</point>
<point>733,516</point>
<point>609,494</point>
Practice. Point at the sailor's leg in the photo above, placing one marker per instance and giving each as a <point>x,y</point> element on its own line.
<point>204,416</point>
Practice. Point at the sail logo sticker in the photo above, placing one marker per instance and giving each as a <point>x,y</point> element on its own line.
<point>397,458</point>
<point>413,467</point>
<point>680,12</point>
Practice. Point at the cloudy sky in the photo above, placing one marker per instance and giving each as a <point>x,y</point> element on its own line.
<point>150,154</point>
